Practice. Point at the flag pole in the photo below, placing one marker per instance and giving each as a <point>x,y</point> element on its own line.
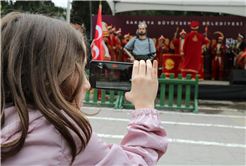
<point>100,5</point>
<point>68,11</point>
<point>90,21</point>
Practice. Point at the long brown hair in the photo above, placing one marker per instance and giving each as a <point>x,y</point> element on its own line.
<point>40,57</point>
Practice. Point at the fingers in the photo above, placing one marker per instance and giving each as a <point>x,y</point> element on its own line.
<point>149,69</point>
<point>142,68</point>
<point>155,69</point>
<point>135,69</point>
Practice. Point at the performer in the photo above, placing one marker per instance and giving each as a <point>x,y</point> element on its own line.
<point>240,47</point>
<point>218,51</point>
<point>178,43</point>
<point>161,48</point>
<point>111,43</point>
<point>124,42</point>
<point>118,45</point>
<point>192,51</point>
<point>143,47</point>
<point>106,56</point>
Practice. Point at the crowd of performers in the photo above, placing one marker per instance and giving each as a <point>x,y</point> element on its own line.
<point>189,45</point>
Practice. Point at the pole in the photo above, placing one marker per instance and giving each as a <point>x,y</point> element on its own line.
<point>68,11</point>
<point>113,8</point>
<point>91,21</point>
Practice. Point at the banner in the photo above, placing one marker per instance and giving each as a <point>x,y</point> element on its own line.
<point>172,64</point>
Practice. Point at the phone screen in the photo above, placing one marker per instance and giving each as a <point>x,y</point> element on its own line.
<point>110,75</point>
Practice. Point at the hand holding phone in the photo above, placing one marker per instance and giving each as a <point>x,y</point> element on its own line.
<point>144,84</point>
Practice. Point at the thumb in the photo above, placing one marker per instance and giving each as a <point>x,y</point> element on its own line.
<point>127,96</point>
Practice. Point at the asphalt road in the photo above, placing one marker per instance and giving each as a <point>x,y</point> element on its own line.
<point>215,136</point>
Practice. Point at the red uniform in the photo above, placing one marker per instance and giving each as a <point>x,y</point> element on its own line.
<point>124,42</point>
<point>192,53</point>
<point>178,43</point>
<point>111,44</point>
<point>118,49</point>
<point>218,50</point>
<point>160,50</point>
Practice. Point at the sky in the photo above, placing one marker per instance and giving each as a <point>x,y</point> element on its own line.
<point>61,3</point>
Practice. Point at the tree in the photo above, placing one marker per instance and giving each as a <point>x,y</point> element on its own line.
<point>80,13</point>
<point>41,7</point>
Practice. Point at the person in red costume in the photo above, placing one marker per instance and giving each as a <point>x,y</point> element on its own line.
<point>218,50</point>
<point>178,43</point>
<point>118,45</point>
<point>192,51</point>
<point>161,48</point>
<point>124,42</point>
<point>111,42</point>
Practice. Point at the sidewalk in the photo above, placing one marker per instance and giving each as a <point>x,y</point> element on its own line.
<point>212,137</point>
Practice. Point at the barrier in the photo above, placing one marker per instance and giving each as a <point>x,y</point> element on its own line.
<point>170,105</point>
<point>120,102</point>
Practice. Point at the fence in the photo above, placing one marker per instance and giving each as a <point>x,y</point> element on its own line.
<point>120,101</point>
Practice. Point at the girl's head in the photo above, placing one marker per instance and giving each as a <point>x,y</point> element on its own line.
<point>42,66</point>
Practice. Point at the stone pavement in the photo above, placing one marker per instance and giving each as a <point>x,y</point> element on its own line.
<point>212,137</point>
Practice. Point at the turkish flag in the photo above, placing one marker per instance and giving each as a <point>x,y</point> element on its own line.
<point>98,46</point>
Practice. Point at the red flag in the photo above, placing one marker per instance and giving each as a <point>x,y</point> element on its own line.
<point>98,46</point>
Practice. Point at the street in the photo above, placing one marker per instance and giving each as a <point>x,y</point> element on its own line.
<point>207,138</point>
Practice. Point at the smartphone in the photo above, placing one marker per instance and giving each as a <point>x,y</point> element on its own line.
<point>110,75</point>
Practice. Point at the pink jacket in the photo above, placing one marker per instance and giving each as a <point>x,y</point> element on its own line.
<point>144,143</point>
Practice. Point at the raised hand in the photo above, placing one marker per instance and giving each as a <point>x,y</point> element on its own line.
<point>144,84</point>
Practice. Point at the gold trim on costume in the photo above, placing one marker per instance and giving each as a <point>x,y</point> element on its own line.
<point>171,55</point>
<point>189,70</point>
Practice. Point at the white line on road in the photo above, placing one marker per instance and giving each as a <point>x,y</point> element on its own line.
<point>173,123</point>
<point>164,112</point>
<point>183,141</point>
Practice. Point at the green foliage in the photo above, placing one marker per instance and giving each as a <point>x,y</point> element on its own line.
<point>41,7</point>
<point>80,13</point>
<point>169,13</point>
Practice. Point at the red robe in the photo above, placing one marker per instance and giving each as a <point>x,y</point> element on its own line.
<point>160,51</point>
<point>192,52</point>
<point>118,50</point>
<point>111,43</point>
<point>218,60</point>
<point>177,44</point>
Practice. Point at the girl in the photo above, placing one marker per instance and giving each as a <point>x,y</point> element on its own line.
<point>43,84</point>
